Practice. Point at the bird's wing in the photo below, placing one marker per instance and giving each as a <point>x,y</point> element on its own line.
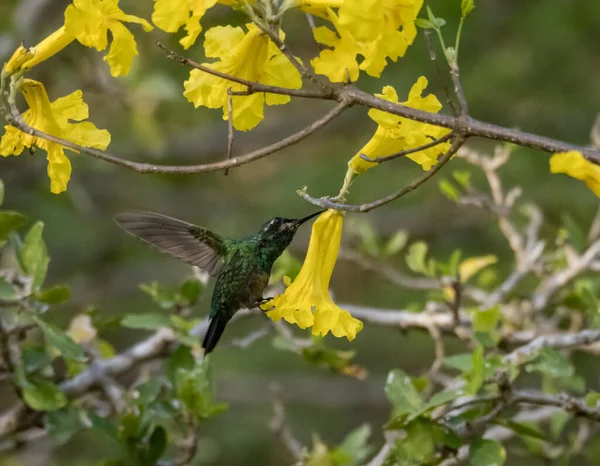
<point>190,243</point>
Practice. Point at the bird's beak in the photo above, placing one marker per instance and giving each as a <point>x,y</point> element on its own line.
<point>300,221</point>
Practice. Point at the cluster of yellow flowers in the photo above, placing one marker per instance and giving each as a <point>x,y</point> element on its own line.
<point>358,35</point>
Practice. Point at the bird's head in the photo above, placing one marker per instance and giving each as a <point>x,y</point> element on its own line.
<point>282,230</point>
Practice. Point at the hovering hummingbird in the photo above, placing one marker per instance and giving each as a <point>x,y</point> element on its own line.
<point>242,267</point>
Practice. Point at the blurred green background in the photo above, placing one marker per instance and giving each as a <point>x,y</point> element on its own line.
<point>530,65</point>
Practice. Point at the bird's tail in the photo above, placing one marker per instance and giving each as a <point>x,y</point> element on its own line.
<point>215,330</point>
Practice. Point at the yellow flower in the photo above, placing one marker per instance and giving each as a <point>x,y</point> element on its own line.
<point>250,56</point>
<point>395,133</point>
<point>170,15</point>
<point>375,29</point>
<point>574,164</point>
<point>20,56</point>
<point>53,118</point>
<point>89,22</point>
<point>310,290</point>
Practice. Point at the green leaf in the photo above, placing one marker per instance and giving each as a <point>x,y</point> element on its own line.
<point>59,340</point>
<point>463,178</point>
<point>42,395</point>
<point>63,423</point>
<point>486,320</point>
<point>149,321</point>
<point>423,23</point>
<point>396,243</point>
<point>402,394</point>
<point>369,238</point>
<point>448,190</point>
<point>7,291</point>
<point>475,377</point>
<point>164,297</point>
<point>195,389</point>
<point>592,399</point>
<point>10,221</point>
<point>157,445</point>
<point>35,256</point>
<point>418,446</point>
<point>354,450</point>
<point>180,359</point>
<point>462,362</point>
<point>190,290</point>
<point>443,397</point>
<point>147,392</point>
<point>56,295</point>
<point>415,259</point>
<point>466,6</point>
<point>552,363</point>
<point>34,358</point>
<point>483,452</point>
<point>523,429</point>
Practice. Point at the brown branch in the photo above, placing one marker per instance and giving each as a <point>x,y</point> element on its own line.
<point>253,87</point>
<point>18,122</point>
<point>229,127</point>
<point>328,204</point>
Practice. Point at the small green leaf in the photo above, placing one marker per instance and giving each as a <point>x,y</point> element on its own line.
<point>416,259</point>
<point>56,295</point>
<point>396,243</point>
<point>354,450</point>
<point>592,399</point>
<point>462,362</point>
<point>523,429</point>
<point>63,423</point>
<point>402,394</point>
<point>10,221</point>
<point>35,255</point>
<point>448,190</point>
<point>466,7</point>
<point>486,320</point>
<point>463,178</point>
<point>43,395</point>
<point>483,452</point>
<point>148,391</point>
<point>7,291</point>
<point>552,363</point>
<point>156,445</point>
<point>423,23</point>
<point>34,358</point>
<point>370,242</point>
<point>58,339</point>
<point>443,397</point>
<point>476,375</point>
<point>164,297</point>
<point>190,290</point>
<point>149,321</point>
<point>418,446</point>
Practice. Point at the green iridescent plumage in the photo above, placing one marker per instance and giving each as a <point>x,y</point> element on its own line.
<point>242,267</point>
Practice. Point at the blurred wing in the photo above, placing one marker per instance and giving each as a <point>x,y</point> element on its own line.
<point>184,241</point>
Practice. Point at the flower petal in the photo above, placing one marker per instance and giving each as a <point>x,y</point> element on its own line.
<point>170,15</point>
<point>59,168</point>
<point>122,50</point>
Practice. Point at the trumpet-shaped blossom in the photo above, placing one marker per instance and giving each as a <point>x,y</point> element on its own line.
<point>306,302</point>
<point>374,29</point>
<point>89,22</point>
<point>54,118</point>
<point>395,133</point>
<point>248,55</point>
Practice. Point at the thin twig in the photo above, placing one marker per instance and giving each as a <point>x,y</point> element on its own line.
<point>403,153</point>
<point>328,204</point>
<point>138,167</point>
<point>438,71</point>
<point>229,127</point>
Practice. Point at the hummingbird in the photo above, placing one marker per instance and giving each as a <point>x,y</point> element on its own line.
<point>242,267</point>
